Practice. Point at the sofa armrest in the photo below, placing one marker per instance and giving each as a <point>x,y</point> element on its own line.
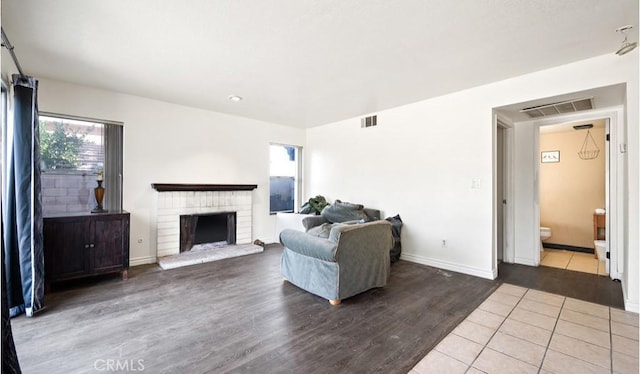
<point>362,240</point>
<point>313,221</point>
<point>308,245</point>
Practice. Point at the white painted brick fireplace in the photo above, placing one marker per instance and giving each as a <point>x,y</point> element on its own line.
<point>172,204</point>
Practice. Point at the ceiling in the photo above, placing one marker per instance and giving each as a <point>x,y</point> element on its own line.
<point>305,63</point>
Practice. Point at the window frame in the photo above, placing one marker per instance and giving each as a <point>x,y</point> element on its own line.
<point>297,184</point>
<point>118,180</point>
<point>64,171</point>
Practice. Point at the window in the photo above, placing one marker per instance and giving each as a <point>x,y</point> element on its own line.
<point>284,180</point>
<point>72,153</point>
<point>70,145</point>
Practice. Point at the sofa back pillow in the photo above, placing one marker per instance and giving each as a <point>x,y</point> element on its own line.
<point>342,212</point>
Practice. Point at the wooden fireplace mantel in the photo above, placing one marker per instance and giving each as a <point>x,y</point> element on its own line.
<point>172,187</point>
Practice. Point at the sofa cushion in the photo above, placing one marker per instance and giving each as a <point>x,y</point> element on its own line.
<point>321,231</point>
<point>324,229</point>
<point>344,211</point>
<point>313,221</point>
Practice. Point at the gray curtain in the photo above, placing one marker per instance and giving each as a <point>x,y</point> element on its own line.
<point>23,243</point>
<point>10,363</point>
<point>113,167</point>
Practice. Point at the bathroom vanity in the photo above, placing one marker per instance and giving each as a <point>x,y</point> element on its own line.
<point>599,226</point>
<point>599,230</point>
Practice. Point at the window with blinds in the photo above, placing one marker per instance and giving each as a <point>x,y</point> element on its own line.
<point>74,154</point>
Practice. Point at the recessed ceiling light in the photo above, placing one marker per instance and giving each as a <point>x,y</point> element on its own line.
<point>235,98</point>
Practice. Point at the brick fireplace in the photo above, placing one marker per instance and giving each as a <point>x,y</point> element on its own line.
<point>176,200</point>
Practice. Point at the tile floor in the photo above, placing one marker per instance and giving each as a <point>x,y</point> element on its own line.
<point>576,261</point>
<point>519,330</point>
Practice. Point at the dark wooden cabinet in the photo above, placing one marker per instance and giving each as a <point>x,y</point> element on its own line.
<point>81,245</point>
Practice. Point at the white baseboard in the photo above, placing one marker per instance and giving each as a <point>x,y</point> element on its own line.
<point>470,270</point>
<point>630,306</point>
<point>525,261</point>
<point>142,261</point>
<point>167,253</point>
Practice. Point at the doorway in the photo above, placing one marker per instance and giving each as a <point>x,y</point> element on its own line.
<point>500,200</point>
<point>614,177</point>
<point>572,195</point>
<point>523,192</point>
<point>503,191</point>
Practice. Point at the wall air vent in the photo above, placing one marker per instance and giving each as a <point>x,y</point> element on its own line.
<point>369,121</point>
<point>568,106</point>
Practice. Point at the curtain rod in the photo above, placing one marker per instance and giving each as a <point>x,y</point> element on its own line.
<point>7,44</point>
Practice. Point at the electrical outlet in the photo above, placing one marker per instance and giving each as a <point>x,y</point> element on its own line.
<point>444,242</point>
<point>476,183</point>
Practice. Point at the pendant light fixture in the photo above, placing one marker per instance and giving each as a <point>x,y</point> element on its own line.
<point>589,149</point>
<point>626,45</point>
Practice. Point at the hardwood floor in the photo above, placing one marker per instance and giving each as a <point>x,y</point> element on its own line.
<point>239,315</point>
<point>583,286</point>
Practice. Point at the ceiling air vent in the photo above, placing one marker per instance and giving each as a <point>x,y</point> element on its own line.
<point>369,121</point>
<point>568,106</point>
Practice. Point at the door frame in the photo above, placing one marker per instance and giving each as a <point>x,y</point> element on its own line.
<point>508,229</point>
<point>615,175</point>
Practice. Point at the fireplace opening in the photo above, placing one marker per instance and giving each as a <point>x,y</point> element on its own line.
<point>206,231</point>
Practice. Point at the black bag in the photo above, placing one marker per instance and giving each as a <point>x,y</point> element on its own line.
<point>396,228</point>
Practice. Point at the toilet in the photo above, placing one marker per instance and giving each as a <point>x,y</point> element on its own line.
<point>545,233</point>
<point>601,249</point>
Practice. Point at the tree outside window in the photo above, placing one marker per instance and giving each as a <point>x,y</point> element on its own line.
<point>70,145</point>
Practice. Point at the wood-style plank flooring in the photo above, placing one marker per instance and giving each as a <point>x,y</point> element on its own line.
<point>593,288</point>
<point>239,316</point>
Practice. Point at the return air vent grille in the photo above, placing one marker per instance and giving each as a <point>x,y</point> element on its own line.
<point>369,121</point>
<point>569,106</point>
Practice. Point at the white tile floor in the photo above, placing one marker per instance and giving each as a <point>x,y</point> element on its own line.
<point>576,261</point>
<point>519,330</point>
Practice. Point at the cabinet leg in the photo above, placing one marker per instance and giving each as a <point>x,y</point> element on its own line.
<point>125,274</point>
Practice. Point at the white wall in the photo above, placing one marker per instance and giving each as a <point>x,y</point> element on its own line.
<point>421,159</point>
<point>168,143</point>
<point>419,162</point>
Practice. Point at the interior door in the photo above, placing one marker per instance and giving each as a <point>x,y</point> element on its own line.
<point>500,198</point>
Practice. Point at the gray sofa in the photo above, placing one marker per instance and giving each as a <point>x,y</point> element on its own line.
<point>352,259</point>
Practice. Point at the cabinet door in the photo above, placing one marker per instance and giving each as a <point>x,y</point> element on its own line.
<point>110,243</point>
<point>66,248</point>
